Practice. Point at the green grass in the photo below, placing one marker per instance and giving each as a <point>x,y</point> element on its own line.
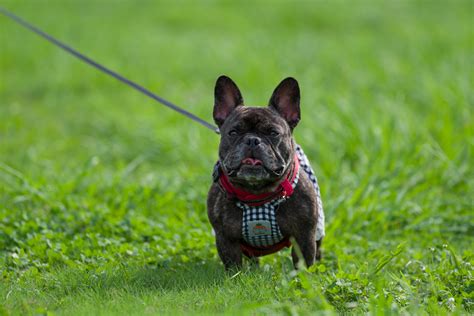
<point>102,191</point>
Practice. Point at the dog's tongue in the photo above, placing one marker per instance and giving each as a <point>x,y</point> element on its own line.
<point>251,161</point>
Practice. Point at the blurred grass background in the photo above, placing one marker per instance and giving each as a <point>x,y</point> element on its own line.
<point>102,191</point>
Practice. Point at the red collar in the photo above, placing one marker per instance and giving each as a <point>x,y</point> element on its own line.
<point>284,189</point>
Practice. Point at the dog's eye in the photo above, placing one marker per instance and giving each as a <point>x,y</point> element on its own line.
<point>274,133</point>
<point>232,132</point>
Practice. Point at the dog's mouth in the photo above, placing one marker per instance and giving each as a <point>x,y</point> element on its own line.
<point>252,162</point>
<point>254,168</point>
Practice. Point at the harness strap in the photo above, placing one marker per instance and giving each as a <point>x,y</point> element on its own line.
<point>251,251</point>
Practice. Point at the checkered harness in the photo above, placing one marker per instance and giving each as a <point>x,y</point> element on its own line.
<point>259,224</point>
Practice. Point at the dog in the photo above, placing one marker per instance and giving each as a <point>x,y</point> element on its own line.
<point>264,194</point>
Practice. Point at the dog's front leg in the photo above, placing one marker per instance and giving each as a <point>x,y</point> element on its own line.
<point>318,249</point>
<point>307,246</point>
<point>229,252</point>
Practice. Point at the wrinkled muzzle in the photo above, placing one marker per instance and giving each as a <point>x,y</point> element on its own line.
<point>253,160</point>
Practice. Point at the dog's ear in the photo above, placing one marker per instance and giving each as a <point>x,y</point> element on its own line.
<point>286,101</point>
<point>226,98</point>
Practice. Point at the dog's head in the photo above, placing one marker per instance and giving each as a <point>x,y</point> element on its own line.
<point>256,148</point>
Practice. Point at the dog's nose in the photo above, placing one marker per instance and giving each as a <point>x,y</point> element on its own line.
<point>253,141</point>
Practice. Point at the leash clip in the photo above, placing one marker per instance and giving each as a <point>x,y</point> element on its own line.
<point>216,172</point>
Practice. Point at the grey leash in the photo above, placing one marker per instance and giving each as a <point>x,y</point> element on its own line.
<point>106,70</point>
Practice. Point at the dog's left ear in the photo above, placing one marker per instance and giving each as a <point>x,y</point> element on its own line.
<point>286,101</point>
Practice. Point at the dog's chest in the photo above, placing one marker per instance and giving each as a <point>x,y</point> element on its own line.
<point>259,225</point>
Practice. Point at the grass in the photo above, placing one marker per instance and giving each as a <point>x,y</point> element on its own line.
<point>102,191</point>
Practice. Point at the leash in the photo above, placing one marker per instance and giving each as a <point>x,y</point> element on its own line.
<point>106,70</point>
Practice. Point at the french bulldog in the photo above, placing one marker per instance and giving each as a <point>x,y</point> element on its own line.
<point>264,196</point>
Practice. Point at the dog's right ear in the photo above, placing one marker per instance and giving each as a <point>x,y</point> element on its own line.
<point>226,98</point>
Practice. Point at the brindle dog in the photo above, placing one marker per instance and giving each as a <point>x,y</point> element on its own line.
<point>256,153</point>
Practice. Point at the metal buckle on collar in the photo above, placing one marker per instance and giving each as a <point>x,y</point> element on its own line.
<point>216,173</point>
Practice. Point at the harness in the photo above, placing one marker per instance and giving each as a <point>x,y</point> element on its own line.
<point>260,231</point>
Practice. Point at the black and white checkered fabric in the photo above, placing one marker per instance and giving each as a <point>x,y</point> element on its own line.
<point>259,224</point>
<point>306,166</point>
<point>260,216</point>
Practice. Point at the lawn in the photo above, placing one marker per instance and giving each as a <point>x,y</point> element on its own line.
<point>102,190</point>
